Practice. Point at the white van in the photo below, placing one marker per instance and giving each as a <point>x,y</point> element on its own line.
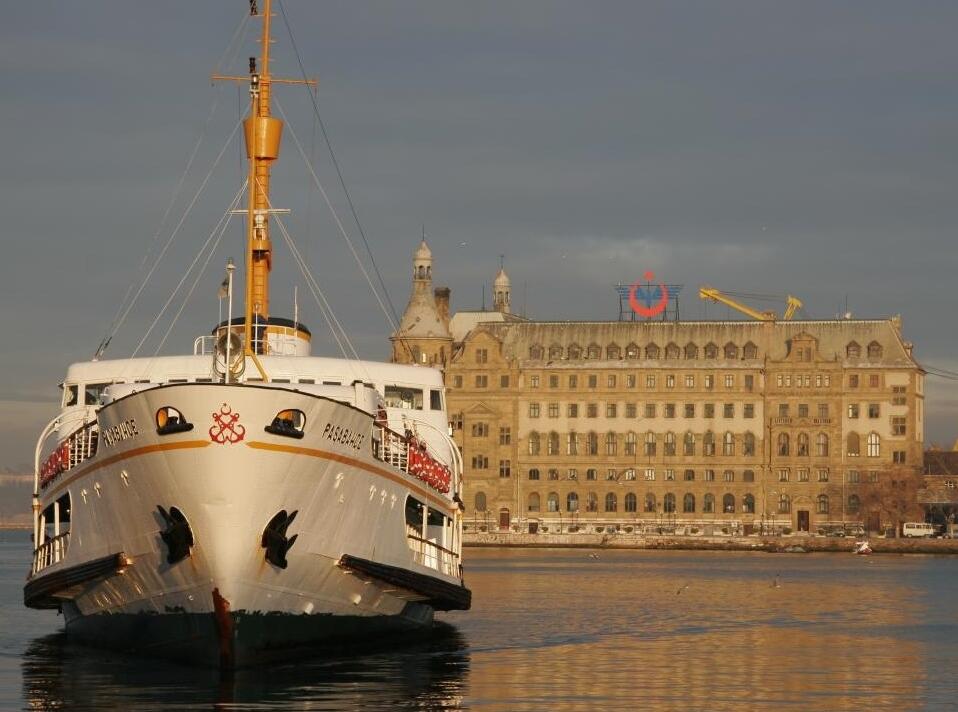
<point>919,529</point>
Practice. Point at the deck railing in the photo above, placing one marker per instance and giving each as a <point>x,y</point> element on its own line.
<point>429,553</point>
<point>50,552</point>
<point>76,448</point>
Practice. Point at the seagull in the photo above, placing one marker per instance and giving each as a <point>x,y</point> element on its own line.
<point>593,555</point>
<point>681,588</point>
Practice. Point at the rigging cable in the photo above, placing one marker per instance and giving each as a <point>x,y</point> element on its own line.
<point>329,146</point>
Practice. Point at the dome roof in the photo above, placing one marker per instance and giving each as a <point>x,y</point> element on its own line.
<point>502,279</point>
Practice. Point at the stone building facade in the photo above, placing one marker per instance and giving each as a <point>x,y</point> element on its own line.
<point>684,426</point>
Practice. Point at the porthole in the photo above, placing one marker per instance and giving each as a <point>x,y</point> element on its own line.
<point>169,420</point>
<point>288,423</point>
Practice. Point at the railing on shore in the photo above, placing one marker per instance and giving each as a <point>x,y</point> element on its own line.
<point>50,552</point>
<point>76,448</point>
<point>429,553</point>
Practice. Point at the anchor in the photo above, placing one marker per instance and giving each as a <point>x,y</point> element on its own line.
<point>177,534</point>
<point>275,540</point>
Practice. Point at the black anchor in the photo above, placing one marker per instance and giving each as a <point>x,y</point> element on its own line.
<point>275,540</point>
<point>177,534</point>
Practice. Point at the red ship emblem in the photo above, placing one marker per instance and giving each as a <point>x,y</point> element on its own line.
<point>226,428</point>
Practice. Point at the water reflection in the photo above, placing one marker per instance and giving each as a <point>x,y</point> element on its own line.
<point>428,674</point>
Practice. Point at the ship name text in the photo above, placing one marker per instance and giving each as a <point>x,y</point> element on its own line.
<point>121,431</point>
<point>344,436</point>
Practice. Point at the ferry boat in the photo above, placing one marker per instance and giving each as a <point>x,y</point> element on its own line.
<point>248,501</point>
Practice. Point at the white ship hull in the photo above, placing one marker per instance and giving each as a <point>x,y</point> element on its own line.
<point>223,603</point>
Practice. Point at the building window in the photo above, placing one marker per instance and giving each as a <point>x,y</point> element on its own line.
<point>535,352</point>
<point>709,476</point>
<point>783,444</point>
<point>672,351</point>
<point>611,474</point>
<point>728,444</point>
<point>748,476</point>
<point>572,410</point>
<point>728,410</point>
<point>822,504</point>
<point>650,503</point>
<point>899,395</point>
<point>630,381</point>
<point>534,444</point>
<point>898,457</point>
<point>480,430</point>
<point>803,410</point>
<point>650,380</point>
<point>729,380</point>
<point>689,381</point>
<point>853,350</point>
<point>632,351</point>
<point>505,468</point>
<point>708,443</point>
<point>553,410</point>
<point>480,501</point>
<point>592,410</point>
<point>552,444</point>
<point>669,446</point>
<point>593,351</point>
<point>709,381</point>
<point>650,443</point>
<point>482,381</point>
<point>572,443</point>
<point>630,474</point>
<point>823,410</point>
<point>610,444</point>
<point>553,381</point>
<point>854,477</point>
<point>802,474</point>
<point>872,476</point>
<point>853,445</point>
<point>650,474</point>
<point>572,502</point>
<point>801,445</point>
<point>505,435</point>
<point>652,352</point>
<point>630,411</point>
<point>534,381</point>
<point>573,382</point>
<point>711,351</point>
<point>457,381</point>
<point>670,380</point>
<point>689,476</point>
<point>748,504</point>
<point>898,426</point>
<point>553,474</point>
<point>853,411</point>
<point>750,351</point>
<point>575,352</point>
<point>533,474</point>
<point>668,503</point>
<point>691,351</point>
<point>708,410</point>
<point>874,351</point>
<point>821,445</point>
<point>669,475</point>
<point>708,504</point>
<point>482,355</point>
<point>611,502</point>
<point>650,410</point>
<point>728,504</point>
<point>630,443</point>
<point>854,504</point>
<point>534,502</point>
<point>729,475</point>
<point>592,444</point>
<point>688,503</point>
<point>853,380</point>
<point>783,474</point>
<point>688,444</point>
<point>749,382</point>
<point>784,504</point>
<point>874,445</point>
<point>748,444</point>
<point>610,410</point>
<point>480,462</point>
<point>555,352</point>
<point>690,410</point>
<point>874,410</point>
<point>533,410</point>
<point>669,410</point>
<point>610,380</point>
<point>823,475</point>
<point>590,474</point>
<point>630,502</point>
<point>874,380</point>
<point>503,381</point>
<point>591,502</point>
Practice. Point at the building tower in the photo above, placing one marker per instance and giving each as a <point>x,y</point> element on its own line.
<point>502,292</point>
<point>423,335</point>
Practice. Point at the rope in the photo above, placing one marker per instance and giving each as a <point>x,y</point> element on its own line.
<point>329,146</point>
<point>224,217</point>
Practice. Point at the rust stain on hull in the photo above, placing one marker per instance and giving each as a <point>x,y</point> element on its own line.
<point>224,628</point>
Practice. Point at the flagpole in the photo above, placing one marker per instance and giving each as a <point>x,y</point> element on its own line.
<point>229,311</point>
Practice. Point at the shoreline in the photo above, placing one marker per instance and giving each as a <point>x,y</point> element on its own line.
<point>768,544</point>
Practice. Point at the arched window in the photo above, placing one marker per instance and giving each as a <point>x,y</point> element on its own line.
<point>874,351</point>
<point>853,445</point>
<point>594,351</point>
<point>668,503</point>
<point>854,504</point>
<point>783,444</point>
<point>534,502</point>
<point>672,351</point>
<point>613,352</point>
<point>750,351</point>
<point>552,502</point>
<point>822,502</point>
<point>572,502</point>
<point>728,444</point>
<point>688,444</point>
<point>711,351</point>
<point>480,501</point>
<point>731,351</point>
<point>691,351</point>
<point>650,502</point>
<point>670,443</point>
<point>748,444</point>
<point>821,445</point>
<point>650,443</point>
<point>630,443</point>
<point>631,504</point>
<point>611,502</point>
<point>708,503</point>
<point>552,445</point>
<point>591,502</point>
<point>592,444</point>
<point>688,503</point>
<point>590,474</point>
<point>748,504</point>
<point>575,352</point>
<point>874,445</point>
<point>708,443</point>
<point>535,352</point>
<point>801,445</point>
<point>728,504</point>
<point>534,443</point>
<point>784,504</point>
<point>533,474</point>
<point>555,352</point>
<point>652,351</point>
<point>572,443</point>
<point>610,444</point>
<point>632,351</point>
<point>853,350</point>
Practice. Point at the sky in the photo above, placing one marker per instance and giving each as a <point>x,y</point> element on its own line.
<point>766,147</point>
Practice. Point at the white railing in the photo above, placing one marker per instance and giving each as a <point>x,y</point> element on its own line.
<point>76,448</point>
<point>428,553</point>
<point>50,552</point>
<point>393,449</point>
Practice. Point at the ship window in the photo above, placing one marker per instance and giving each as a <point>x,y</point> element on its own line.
<point>435,399</point>
<point>70,395</point>
<point>288,423</point>
<point>92,393</point>
<point>401,397</point>
<point>63,504</point>
<point>169,420</point>
<point>307,380</point>
<point>414,512</point>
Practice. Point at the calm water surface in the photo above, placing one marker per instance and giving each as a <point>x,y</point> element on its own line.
<point>560,630</point>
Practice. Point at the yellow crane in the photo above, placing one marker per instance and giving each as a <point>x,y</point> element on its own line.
<point>792,304</point>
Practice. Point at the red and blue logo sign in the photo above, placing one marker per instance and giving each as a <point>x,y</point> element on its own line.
<point>649,299</point>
